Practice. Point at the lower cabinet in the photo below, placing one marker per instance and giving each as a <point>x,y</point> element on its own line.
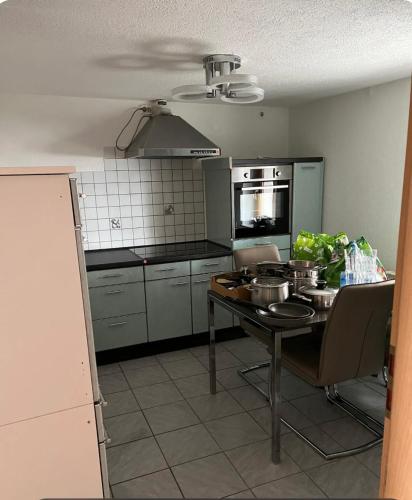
<point>223,318</point>
<point>168,308</point>
<point>119,331</point>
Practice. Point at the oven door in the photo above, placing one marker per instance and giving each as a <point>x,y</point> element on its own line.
<point>261,208</point>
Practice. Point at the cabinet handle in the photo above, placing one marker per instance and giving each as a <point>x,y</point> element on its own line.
<point>102,401</point>
<point>120,323</point>
<point>107,438</point>
<point>112,292</point>
<point>201,281</point>
<point>307,167</point>
<point>110,276</point>
<point>180,284</point>
<point>210,264</point>
<point>165,269</point>
<point>263,244</point>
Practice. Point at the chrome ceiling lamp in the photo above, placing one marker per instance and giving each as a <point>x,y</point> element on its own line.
<point>222,82</point>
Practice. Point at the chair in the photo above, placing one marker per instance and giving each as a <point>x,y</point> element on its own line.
<point>251,256</point>
<point>352,345</point>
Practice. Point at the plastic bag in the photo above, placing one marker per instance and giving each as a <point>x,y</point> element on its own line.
<point>321,247</point>
<point>336,267</point>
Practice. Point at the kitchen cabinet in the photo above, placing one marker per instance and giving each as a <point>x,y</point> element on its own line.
<point>115,276</point>
<point>119,331</point>
<point>168,308</point>
<point>169,270</point>
<point>307,197</point>
<point>214,265</point>
<point>117,300</point>
<point>54,456</point>
<point>48,377</point>
<point>223,318</point>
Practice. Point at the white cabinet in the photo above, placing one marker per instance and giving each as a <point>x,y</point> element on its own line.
<point>223,318</point>
<point>48,379</point>
<point>168,308</point>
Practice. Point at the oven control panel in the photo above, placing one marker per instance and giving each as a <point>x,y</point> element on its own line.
<point>262,173</point>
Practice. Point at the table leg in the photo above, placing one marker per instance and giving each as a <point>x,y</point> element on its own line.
<point>275,396</point>
<point>212,347</point>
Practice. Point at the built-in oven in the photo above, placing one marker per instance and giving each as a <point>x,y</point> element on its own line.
<point>261,200</point>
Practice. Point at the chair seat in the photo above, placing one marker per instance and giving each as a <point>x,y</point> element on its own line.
<point>301,355</point>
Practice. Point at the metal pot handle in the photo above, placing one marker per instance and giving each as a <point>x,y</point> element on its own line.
<point>302,297</point>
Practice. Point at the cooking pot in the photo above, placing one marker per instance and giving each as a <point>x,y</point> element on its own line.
<point>266,290</point>
<point>269,268</point>
<point>322,296</point>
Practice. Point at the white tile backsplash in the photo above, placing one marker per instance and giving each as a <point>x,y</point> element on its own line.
<point>153,201</point>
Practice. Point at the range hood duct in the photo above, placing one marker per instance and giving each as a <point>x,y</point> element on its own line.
<point>165,135</point>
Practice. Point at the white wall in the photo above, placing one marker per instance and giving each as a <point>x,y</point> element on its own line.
<point>362,135</point>
<point>53,130</point>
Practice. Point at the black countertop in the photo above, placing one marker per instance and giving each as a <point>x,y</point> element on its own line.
<point>153,254</point>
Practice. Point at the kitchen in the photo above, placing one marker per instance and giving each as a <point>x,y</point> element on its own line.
<point>156,227</point>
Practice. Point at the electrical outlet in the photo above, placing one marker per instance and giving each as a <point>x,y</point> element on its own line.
<point>169,209</point>
<point>115,223</point>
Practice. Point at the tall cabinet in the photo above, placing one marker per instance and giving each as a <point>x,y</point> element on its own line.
<point>51,428</point>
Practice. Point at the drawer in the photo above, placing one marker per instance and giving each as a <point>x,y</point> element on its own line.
<point>117,300</point>
<point>119,331</point>
<point>282,242</point>
<point>115,276</point>
<point>214,265</point>
<point>169,270</point>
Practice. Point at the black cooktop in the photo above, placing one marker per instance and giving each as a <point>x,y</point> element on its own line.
<point>173,252</point>
<point>153,254</point>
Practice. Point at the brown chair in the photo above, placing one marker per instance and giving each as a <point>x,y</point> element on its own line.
<point>251,256</point>
<point>352,345</point>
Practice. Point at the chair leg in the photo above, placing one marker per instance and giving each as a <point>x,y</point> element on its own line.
<point>335,398</point>
<point>244,371</point>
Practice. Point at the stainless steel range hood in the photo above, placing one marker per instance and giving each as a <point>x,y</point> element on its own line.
<point>165,135</point>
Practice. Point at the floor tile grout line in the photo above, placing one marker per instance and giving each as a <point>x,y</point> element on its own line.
<point>137,477</point>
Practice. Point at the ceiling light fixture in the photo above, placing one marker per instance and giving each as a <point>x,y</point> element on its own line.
<point>222,82</point>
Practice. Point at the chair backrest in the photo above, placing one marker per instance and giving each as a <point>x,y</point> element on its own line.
<point>354,339</point>
<point>251,256</point>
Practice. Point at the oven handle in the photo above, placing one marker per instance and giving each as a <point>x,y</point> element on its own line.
<point>282,186</point>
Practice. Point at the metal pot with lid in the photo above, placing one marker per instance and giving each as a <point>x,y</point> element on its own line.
<point>321,295</point>
<point>302,273</point>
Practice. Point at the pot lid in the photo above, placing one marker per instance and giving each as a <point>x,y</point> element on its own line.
<point>269,282</point>
<point>312,290</point>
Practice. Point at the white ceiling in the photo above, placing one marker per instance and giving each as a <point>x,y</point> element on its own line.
<point>140,49</point>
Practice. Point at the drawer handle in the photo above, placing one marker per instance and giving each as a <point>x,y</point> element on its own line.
<point>112,292</point>
<point>165,269</point>
<point>211,264</point>
<point>120,323</point>
<point>263,244</point>
<point>307,167</point>
<point>110,276</point>
<point>201,281</point>
<point>180,284</point>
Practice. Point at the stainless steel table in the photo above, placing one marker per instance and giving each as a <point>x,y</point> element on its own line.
<point>268,335</point>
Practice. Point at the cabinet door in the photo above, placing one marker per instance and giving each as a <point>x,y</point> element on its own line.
<point>223,318</point>
<point>53,456</point>
<point>168,308</point>
<point>307,198</point>
<point>44,357</point>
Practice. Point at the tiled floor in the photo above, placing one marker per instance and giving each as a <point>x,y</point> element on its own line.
<point>172,439</point>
